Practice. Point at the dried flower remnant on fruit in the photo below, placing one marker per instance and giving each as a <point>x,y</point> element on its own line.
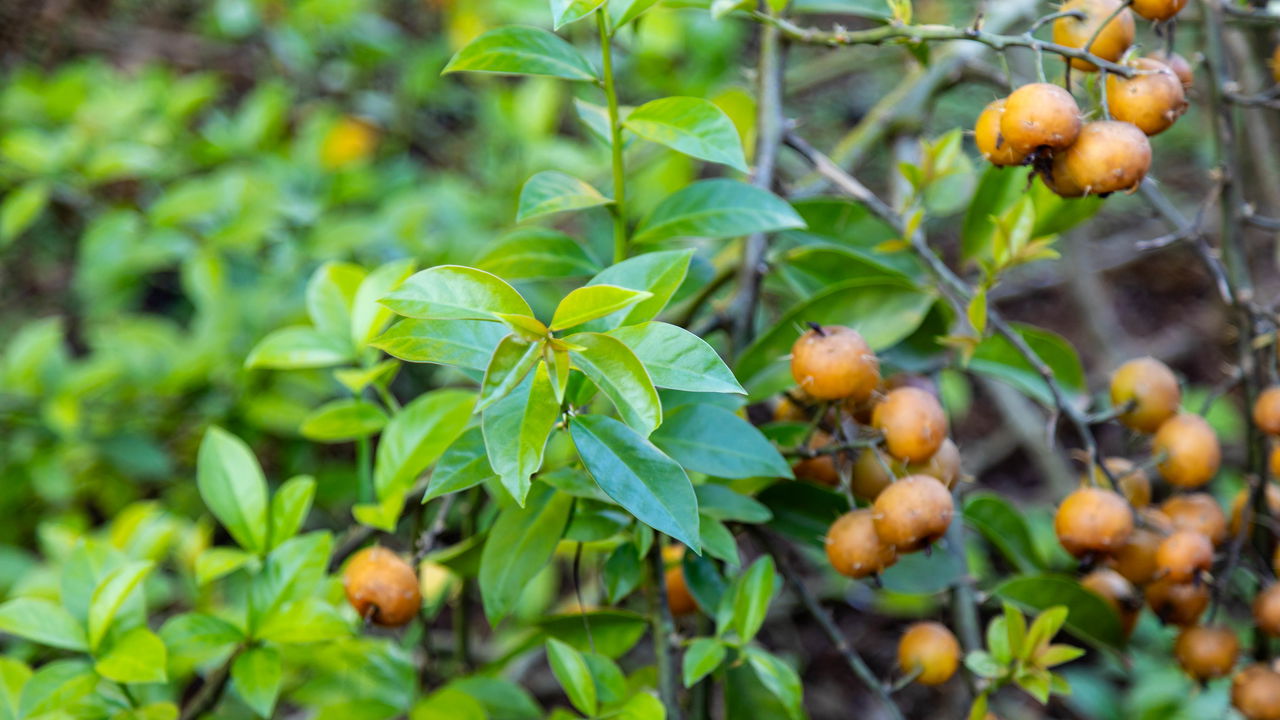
<point>929,651</point>
<point>382,587</point>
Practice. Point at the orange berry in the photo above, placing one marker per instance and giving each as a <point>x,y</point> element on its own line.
<point>1178,603</point>
<point>1274,462</point>
<point>1152,100</point>
<point>1206,652</point>
<point>1266,411</point>
<point>1184,556</point>
<point>873,471</point>
<point>382,587</point>
<point>912,513</point>
<point>990,140</point>
<point>1255,692</point>
<point>1150,386</point>
<point>1131,480</point>
<point>1197,512</point>
<point>1158,9</point>
<point>1178,65</point>
<point>1136,558</point>
<point>1039,115</point>
<point>1119,594</point>
<point>1075,32</point>
<point>853,547</point>
<point>819,469</point>
<point>788,411</point>
<point>943,464</point>
<point>1190,449</point>
<point>930,649</point>
<point>1242,498</point>
<point>1266,610</point>
<point>679,599</point>
<point>913,423</point>
<point>1107,157</point>
<point>1093,520</point>
<point>833,363</point>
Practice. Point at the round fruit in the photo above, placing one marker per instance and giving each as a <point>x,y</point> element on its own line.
<point>1152,100</point>
<point>679,599</point>
<point>1255,692</point>
<point>788,411</point>
<point>943,464</point>
<point>991,142</point>
<point>834,362</point>
<point>1275,561</point>
<point>382,587</point>
<point>1093,520</point>
<point>1266,610</point>
<point>912,513</point>
<point>1242,498</point>
<point>1158,9</point>
<point>1183,556</point>
<point>854,548</point>
<point>873,471</point>
<point>350,141</point>
<point>1076,32</point>
<point>1266,411</point>
<point>1119,594</point>
<point>1131,480</point>
<point>1108,156</point>
<point>1151,388</point>
<point>820,469</point>
<point>929,649</point>
<point>1178,65</point>
<point>1197,512</point>
<point>1275,65</point>
<point>1178,603</point>
<point>1206,652</point>
<point>1190,450</point>
<point>1275,462</point>
<point>1136,558</point>
<point>913,423</point>
<point>1039,115</point>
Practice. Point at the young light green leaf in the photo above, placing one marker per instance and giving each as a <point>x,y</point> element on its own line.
<point>619,374</point>
<point>343,421</point>
<point>357,379</point>
<point>594,301</point>
<point>110,595</point>
<point>510,364</point>
<point>529,328</point>
<point>1043,628</point>
<point>516,429</point>
<point>55,687</point>
<point>552,191</point>
<point>624,11</point>
<point>330,293</point>
<point>751,601</point>
<point>309,620</point>
<point>519,50</point>
<point>21,208</point>
<point>198,636</point>
<point>520,543</point>
<point>564,12</point>
<point>535,253</point>
<point>289,508</point>
<point>14,674</point>
<point>1057,655</point>
<point>138,656</point>
<point>717,209</point>
<point>701,658</point>
<point>462,343</point>
<point>368,316</point>
<point>690,125</point>
<point>219,562</point>
<point>465,464</point>
<point>232,486</point>
<point>660,273</point>
<point>454,292</point>
<point>678,359</point>
<point>712,440</point>
<point>417,436</point>
<point>571,670</point>
<point>778,677</point>
<point>256,675</point>
<point>299,347</point>
<point>983,664</point>
<point>43,622</point>
<point>292,571</point>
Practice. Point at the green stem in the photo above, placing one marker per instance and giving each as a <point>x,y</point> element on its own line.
<point>663,627</point>
<point>364,465</point>
<point>619,207</point>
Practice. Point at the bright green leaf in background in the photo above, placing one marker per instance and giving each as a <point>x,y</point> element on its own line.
<point>454,292</point>
<point>693,126</point>
<point>232,485</point>
<point>256,675</point>
<point>519,50</point>
<point>518,546</point>
<point>552,191</point>
<point>717,209</point>
<point>343,421</point>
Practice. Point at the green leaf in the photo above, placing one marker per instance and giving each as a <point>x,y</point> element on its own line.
<point>298,347</point>
<point>57,686</point>
<point>21,208</point>
<point>613,632</point>
<point>292,571</point>
<point>718,541</point>
<point>660,273</point>
<point>343,421</point>
<point>711,440</point>
<point>622,572</point>
<point>199,636</point>
<point>43,622</point>
<point>463,343</point>
<point>1089,618</point>
<point>465,464</point>
<point>981,663</point>
<point>619,374</point>
<point>289,508</point>
<point>571,671</point>
<point>138,656</point>
<point>368,316</point>
<point>624,11</point>
<point>678,359</point>
<point>1036,683</point>
<point>780,680</point>
<point>1015,627</point>
<point>520,543</point>
<point>723,503</point>
<point>232,486</point>
<point>518,50</point>
<point>502,698</point>
<point>534,253</point>
<point>454,292</point>
<point>13,676</point>
<point>690,125</point>
<point>701,658</point>
<point>592,302</point>
<point>357,379</point>
<point>219,562</point>
<point>751,601</point>
<point>1043,628</point>
<point>552,191</point>
<point>717,209</point>
<point>510,364</point>
<point>110,595</point>
<point>417,436</point>
<point>638,476</point>
<point>516,429</point>
<point>998,358</point>
<point>256,675</point>
<point>309,620</point>
<point>1003,526</point>
<point>330,294</point>
<point>448,704</point>
<point>564,12</point>
<point>1057,655</point>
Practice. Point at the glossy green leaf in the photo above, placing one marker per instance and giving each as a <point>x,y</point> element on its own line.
<point>138,656</point>
<point>22,207</point>
<point>418,435</point>
<point>564,12</point>
<point>14,674</point>
<point>110,596</point>
<point>714,441</point>
<point>592,302</point>
<point>717,209</point>
<point>511,362</point>
<point>660,273</point>
<point>330,294</point>
<point>520,543</point>
<point>620,375</point>
<point>454,292</point>
<point>289,508</point>
<point>58,686</point>
<point>299,347</point>
<point>622,572</point>
<point>463,465</point>
<point>519,50</point>
<point>343,421</point>
<point>1004,527</point>
<point>368,316</point>
<point>723,503</point>
<point>571,671</point>
<point>516,430</point>
<point>624,11</point>
<point>464,343</point>
<point>678,359</point>
<point>613,632</point>
<point>718,541</point>
<point>293,571</point>
<point>998,358</point>
<point>232,486</point>
<point>779,679</point>
<point>502,698</point>
<point>43,622</point>
<point>448,704</point>
<point>701,658</point>
<point>309,620</point>
<point>552,191</point>
<point>752,597</point>
<point>199,636</point>
<point>219,562</point>
<point>256,675</point>
<point>534,253</point>
<point>690,125</point>
<point>1089,617</point>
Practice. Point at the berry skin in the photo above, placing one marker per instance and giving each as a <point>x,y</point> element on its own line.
<point>1190,449</point>
<point>1266,610</point>
<point>382,587</point>
<point>1158,9</point>
<point>1242,498</point>
<point>1275,65</point>
<point>679,599</point>
<point>834,363</point>
<point>873,471</point>
<point>943,464</point>
<point>1107,157</point>
<point>930,649</point>
<point>1131,480</point>
<point>1266,411</point>
<point>1153,101</point>
<point>1206,652</point>
<point>1119,594</point>
<point>1152,388</point>
<point>1274,462</point>
<point>1178,65</point>
<point>788,411</point>
<point>912,513</point>
<point>990,140</point>
<point>913,423</point>
<point>1197,512</point>
<point>1183,556</point>
<point>1093,520</point>
<point>1039,115</point>
<point>1111,43</point>
<point>1136,558</point>
<point>854,548</point>
<point>819,469</point>
<point>1255,692</point>
<point>1179,604</point>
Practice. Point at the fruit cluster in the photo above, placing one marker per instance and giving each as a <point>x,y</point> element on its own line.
<point>1041,124</point>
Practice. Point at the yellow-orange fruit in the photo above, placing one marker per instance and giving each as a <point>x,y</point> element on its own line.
<point>1275,561</point>
<point>1179,604</point>
<point>1197,512</point>
<point>1119,594</point>
<point>834,363</point>
<point>943,464</point>
<point>382,587</point>
<point>1242,498</point>
<point>350,141</point>
<point>1184,556</point>
<point>853,547</point>
<point>1255,693</point>
<point>1093,520</point>
<point>1158,9</point>
<point>990,140</point>
<point>820,469</point>
<point>1153,100</point>
<point>912,513</point>
<point>1266,411</point>
<point>1190,449</point>
<point>873,471</point>
<point>1150,386</point>
<point>1266,610</point>
<point>1131,480</point>
<point>1039,115</point>
<point>679,599</point>
<point>931,650</point>
<point>1136,558</point>
<point>1178,65</point>
<point>1206,652</point>
<point>1111,42</point>
<point>1060,184</point>
<point>788,411</point>
<point>1275,65</point>
<point>1275,462</point>
<point>1107,157</point>
<point>913,423</point>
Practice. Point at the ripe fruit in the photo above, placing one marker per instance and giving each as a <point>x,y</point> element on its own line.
<point>382,587</point>
<point>943,464</point>
<point>1178,65</point>
<point>912,513</point>
<point>913,423</point>
<point>1178,603</point>
<point>788,411</point>
<point>1039,115</point>
<point>1119,594</point>
<point>1197,512</point>
<point>873,471</point>
<point>990,140</point>
<point>1274,463</point>
<point>834,362</point>
<point>1136,558</point>
<point>1158,9</point>
<point>679,599</point>
<point>1266,411</point>
<point>819,469</point>
<point>1183,556</point>
<point>1190,449</point>
<point>1093,520</point>
<point>1152,101</point>
<point>348,142</point>
<point>1206,652</point>
<point>1152,389</point>
<point>929,648</point>
<point>854,548</point>
<point>1266,610</point>
<point>1108,156</point>
<point>1242,498</point>
<point>1275,65</point>
<point>1075,32</point>
<point>1255,692</point>
<point>1132,481</point>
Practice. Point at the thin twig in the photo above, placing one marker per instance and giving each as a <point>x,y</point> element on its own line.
<point>663,628</point>
<point>210,691</point>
